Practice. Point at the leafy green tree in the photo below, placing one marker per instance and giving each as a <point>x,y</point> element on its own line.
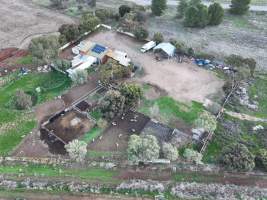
<point>104,14</point>
<point>237,157</point>
<point>123,9</point>
<point>112,104</point>
<point>158,7</point>
<point>62,64</point>
<point>140,33</point>
<point>181,8</point>
<point>68,33</point>
<point>158,38</point>
<point>180,46</point>
<point>132,94</point>
<point>44,50</point>
<point>143,148</point>
<point>88,22</point>
<point>79,77</point>
<point>21,100</point>
<point>192,156</point>
<point>77,150</point>
<point>216,14</point>
<point>239,7</point>
<point>170,152</point>
<point>261,159</point>
<point>207,121</point>
<point>196,16</point>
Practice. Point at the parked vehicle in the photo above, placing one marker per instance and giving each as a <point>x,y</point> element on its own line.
<point>146,47</point>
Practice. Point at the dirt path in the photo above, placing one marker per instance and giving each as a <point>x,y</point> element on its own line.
<point>243,116</point>
<point>182,81</point>
<point>224,5</point>
<point>21,20</point>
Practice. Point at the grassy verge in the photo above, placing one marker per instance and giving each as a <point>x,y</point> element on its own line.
<point>168,109</point>
<point>93,174</point>
<point>194,177</point>
<point>26,60</point>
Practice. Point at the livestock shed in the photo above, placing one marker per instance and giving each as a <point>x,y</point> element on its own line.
<point>166,49</point>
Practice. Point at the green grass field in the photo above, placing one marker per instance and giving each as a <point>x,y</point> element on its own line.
<point>169,109</point>
<point>15,124</point>
<point>92,134</point>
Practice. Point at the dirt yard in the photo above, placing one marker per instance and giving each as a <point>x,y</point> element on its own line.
<point>184,82</point>
<point>21,20</point>
<point>120,133</point>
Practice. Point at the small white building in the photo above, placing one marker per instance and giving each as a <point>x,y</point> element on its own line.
<point>166,48</point>
<point>90,60</point>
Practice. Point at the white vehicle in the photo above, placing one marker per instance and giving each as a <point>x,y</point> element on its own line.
<point>148,46</point>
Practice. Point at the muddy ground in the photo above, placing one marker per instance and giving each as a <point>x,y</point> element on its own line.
<point>21,20</point>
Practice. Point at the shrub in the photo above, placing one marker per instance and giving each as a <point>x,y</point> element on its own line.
<point>237,157</point>
<point>196,16</point>
<point>206,121</point>
<point>132,94</point>
<point>112,71</point>
<point>169,151</point>
<point>112,104</point>
<point>123,9</point>
<point>77,150</point>
<point>181,8</point>
<point>140,33</point>
<point>261,159</point>
<point>190,52</point>
<point>88,22</point>
<point>79,77</point>
<point>192,156</point>
<point>239,7</point>
<point>68,33</point>
<point>158,38</point>
<point>104,14</point>
<point>101,123</point>
<point>21,100</point>
<point>180,46</point>
<point>158,7</point>
<point>62,64</point>
<point>44,50</point>
<point>140,16</point>
<point>143,148</point>
<point>216,14</point>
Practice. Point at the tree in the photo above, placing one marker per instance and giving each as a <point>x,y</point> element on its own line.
<point>123,9</point>
<point>57,4</point>
<point>261,159</point>
<point>44,50</point>
<point>206,121</point>
<point>79,77</point>
<point>68,33</point>
<point>104,14</point>
<point>196,16</point>
<point>77,150</point>
<point>237,157</point>
<point>158,38</point>
<point>143,148</point>
<point>169,151</point>
<point>112,104</point>
<point>88,22</point>
<point>180,46</point>
<point>216,14</point>
<point>132,94</point>
<point>158,7</point>
<point>140,33</point>
<point>62,64</point>
<point>239,7</point>
<point>22,100</point>
<point>181,8</point>
<point>192,156</point>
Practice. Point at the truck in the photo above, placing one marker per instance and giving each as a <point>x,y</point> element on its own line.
<point>146,47</point>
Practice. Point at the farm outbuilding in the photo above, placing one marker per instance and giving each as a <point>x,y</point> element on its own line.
<point>167,49</point>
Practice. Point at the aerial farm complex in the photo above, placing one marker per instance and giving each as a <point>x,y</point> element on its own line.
<point>133,100</point>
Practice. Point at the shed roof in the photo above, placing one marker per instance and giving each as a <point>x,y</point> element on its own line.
<point>167,47</point>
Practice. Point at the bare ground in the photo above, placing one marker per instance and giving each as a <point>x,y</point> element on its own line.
<point>21,20</point>
<point>182,81</point>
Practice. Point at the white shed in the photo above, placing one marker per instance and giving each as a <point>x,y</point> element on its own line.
<point>167,48</point>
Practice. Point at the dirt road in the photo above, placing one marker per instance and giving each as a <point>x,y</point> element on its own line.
<point>224,5</point>
<point>182,81</point>
<point>21,20</point>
